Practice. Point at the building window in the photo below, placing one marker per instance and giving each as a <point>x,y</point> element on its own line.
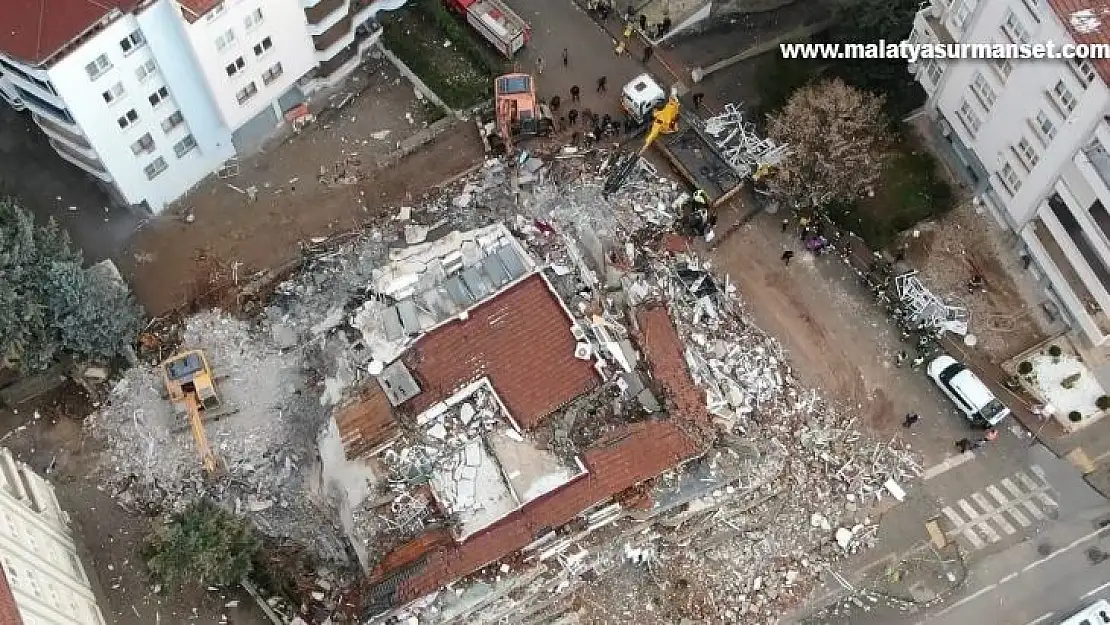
<point>1004,67</point>
<point>263,46</point>
<point>1010,178</point>
<point>961,11</point>
<point>155,167</point>
<point>272,74</point>
<point>968,116</point>
<point>983,90</point>
<point>146,70</point>
<point>186,145</point>
<point>159,96</point>
<point>97,68</point>
<point>114,93</point>
<point>225,40</point>
<point>132,42</point>
<point>253,19</point>
<point>933,71</point>
<point>1046,126</point>
<point>128,118</point>
<point>173,121</point>
<point>246,93</point>
<point>1064,96</point>
<point>234,67</point>
<point>215,12</point>
<point>1014,29</point>
<point>1083,69</point>
<point>1028,152</point>
<point>144,144</point>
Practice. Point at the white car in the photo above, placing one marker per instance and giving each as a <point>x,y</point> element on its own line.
<point>967,391</point>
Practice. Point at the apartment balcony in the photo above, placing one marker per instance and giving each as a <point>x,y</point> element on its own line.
<point>59,131</point>
<point>1098,159</point>
<point>333,35</point>
<point>931,19</point>
<point>324,8</point>
<point>89,164</point>
<point>329,67</point>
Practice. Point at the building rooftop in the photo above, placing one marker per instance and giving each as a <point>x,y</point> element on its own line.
<point>366,424</point>
<point>32,31</point>
<point>9,612</point>
<point>195,9</point>
<point>1088,21</point>
<point>626,457</point>
<point>521,340</point>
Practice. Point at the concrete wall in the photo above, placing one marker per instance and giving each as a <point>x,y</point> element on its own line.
<point>97,119</point>
<point>38,553</point>
<point>283,21</point>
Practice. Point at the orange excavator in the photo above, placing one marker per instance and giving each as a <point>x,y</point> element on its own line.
<point>518,111</point>
<point>192,391</point>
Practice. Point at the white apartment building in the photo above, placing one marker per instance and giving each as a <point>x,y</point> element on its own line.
<point>151,96</point>
<point>1033,137</point>
<point>42,581</point>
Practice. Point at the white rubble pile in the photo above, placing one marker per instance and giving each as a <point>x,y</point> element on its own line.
<point>264,437</point>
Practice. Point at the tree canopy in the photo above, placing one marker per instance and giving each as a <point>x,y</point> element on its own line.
<point>838,142</point>
<point>49,304</point>
<point>205,545</point>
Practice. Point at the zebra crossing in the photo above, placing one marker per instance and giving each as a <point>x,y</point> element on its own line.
<point>1002,509</point>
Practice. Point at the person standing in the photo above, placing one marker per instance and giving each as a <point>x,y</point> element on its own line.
<point>648,51</point>
<point>574,92</point>
<point>785,224</point>
<point>665,27</point>
<point>601,84</point>
<point>566,58</point>
<point>964,444</point>
<point>539,65</point>
<point>911,419</point>
<point>555,102</point>
<point>786,256</point>
<point>572,116</point>
<point>698,97</point>
<point>643,23</point>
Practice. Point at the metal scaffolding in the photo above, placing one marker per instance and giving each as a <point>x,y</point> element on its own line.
<point>740,145</point>
<point>926,308</point>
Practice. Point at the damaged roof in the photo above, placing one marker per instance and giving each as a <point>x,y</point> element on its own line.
<point>1087,21</point>
<point>9,612</point>
<point>637,452</point>
<point>367,423</point>
<point>32,31</point>
<point>521,340</point>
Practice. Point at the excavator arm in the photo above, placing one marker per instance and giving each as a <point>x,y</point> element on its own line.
<point>663,122</point>
<point>196,424</point>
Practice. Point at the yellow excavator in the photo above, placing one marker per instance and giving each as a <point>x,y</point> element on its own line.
<point>664,121</point>
<point>192,391</point>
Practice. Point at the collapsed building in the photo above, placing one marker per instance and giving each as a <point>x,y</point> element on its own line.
<point>510,407</point>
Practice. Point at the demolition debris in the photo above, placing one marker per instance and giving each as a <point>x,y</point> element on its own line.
<point>517,385</point>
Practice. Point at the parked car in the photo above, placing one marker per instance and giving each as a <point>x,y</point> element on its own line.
<point>967,391</point>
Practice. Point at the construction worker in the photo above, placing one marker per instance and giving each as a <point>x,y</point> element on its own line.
<point>701,198</point>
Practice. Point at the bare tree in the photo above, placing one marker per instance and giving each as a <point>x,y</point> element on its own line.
<point>838,141</point>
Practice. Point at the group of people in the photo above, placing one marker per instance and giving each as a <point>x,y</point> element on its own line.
<point>604,8</point>
<point>965,444</point>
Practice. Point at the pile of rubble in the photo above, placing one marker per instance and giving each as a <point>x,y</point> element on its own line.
<point>263,438</point>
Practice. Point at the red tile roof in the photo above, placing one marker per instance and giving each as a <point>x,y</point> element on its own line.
<point>520,339</point>
<point>366,423</point>
<point>32,31</point>
<point>9,613</point>
<point>1098,32</point>
<point>638,452</point>
<point>194,9</point>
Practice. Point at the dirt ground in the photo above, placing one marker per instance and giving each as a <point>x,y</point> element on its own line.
<point>836,336</point>
<point>295,202</point>
<point>48,432</point>
<point>961,244</point>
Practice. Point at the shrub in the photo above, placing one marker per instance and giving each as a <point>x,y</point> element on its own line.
<point>1055,351</point>
<point>1025,368</point>
<point>1069,382</point>
<point>1103,403</point>
<point>1075,416</point>
<point>204,545</point>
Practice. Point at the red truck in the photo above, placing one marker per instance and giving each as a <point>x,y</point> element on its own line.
<point>497,22</point>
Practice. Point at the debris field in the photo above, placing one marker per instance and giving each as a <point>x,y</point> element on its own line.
<point>514,400</point>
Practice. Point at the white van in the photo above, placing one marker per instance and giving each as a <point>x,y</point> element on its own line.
<point>967,391</point>
<point>1096,614</point>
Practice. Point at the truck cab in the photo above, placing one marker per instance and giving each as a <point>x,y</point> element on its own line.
<point>641,96</point>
